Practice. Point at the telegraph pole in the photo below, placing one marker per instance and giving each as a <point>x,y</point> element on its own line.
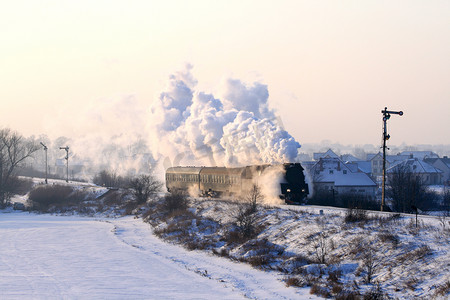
<point>46,162</point>
<point>386,116</point>
<point>67,161</point>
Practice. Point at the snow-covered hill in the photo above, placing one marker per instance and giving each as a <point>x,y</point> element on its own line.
<point>308,248</point>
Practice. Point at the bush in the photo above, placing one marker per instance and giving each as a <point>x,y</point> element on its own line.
<point>175,202</point>
<point>111,179</point>
<point>443,290</point>
<point>355,215</point>
<point>357,201</point>
<point>43,197</point>
<point>143,187</point>
<point>294,281</point>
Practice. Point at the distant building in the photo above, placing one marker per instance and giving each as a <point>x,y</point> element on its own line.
<point>331,174</point>
<point>376,164</point>
<point>420,154</point>
<point>349,158</point>
<point>329,154</point>
<point>442,164</point>
<point>428,174</point>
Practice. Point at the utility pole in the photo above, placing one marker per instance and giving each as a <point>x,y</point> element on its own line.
<point>386,116</point>
<point>67,160</point>
<point>46,162</point>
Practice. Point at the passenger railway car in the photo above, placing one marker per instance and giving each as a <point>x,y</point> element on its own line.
<point>212,181</point>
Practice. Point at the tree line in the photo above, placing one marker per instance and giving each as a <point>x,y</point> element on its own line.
<point>14,150</point>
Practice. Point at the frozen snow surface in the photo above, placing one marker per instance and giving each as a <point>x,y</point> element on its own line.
<point>69,257</point>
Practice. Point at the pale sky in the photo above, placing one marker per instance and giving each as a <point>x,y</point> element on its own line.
<point>330,66</point>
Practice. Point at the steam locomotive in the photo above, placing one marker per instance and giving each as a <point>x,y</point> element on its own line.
<point>212,181</point>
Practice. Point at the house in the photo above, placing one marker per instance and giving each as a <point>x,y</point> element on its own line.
<point>376,164</point>
<point>442,164</point>
<point>428,174</point>
<point>331,174</point>
<point>420,154</point>
<point>349,158</point>
<point>317,156</point>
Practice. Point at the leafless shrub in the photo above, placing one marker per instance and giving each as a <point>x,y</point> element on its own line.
<point>334,276</point>
<point>444,218</point>
<point>197,244</point>
<point>295,264</point>
<point>321,248</point>
<point>411,283</point>
<point>113,198</point>
<point>336,288</point>
<point>355,245</point>
<point>223,252</point>
<point>416,254</point>
<point>21,186</point>
<point>175,202</point>
<point>111,179</point>
<point>376,293</point>
<point>143,187</point>
<point>262,252</point>
<point>295,281</point>
<point>355,215</point>
<point>443,289</point>
<point>253,198</point>
<point>57,196</point>
<point>233,237</point>
<point>347,295</point>
<point>245,218</point>
<point>317,289</point>
<point>387,237</point>
<point>369,263</point>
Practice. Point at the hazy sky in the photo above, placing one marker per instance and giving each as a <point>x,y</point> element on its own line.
<point>330,66</point>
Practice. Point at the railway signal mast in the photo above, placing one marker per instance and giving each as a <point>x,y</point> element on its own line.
<point>46,162</point>
<point>67,160</point>
<point>386,116</point>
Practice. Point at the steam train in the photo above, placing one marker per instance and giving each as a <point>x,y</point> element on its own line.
<point>212,181</point>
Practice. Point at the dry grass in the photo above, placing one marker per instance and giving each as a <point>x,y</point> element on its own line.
<point>443,290</point>
<point>317,289</point>
<point>415,255</point>
<point>295,281</point>
<point>387,237</point>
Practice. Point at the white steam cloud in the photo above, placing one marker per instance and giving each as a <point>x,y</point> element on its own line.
<point>183,126</point>
<point>192,127</point>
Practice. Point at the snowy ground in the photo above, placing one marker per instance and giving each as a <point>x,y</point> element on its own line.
<point>44,256</point>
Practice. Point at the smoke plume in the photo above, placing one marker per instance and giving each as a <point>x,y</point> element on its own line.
<point>188,126</point>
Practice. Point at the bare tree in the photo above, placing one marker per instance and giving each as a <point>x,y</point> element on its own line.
<point>406,189</point>
<point>144,186</point>
<point>370,263</point>
<point>245,216</point>
<point>321,248</point>
<point>253,198</point>
<point>13,152</point>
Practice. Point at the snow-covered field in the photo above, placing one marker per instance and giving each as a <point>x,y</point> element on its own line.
<point>62,257</point>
